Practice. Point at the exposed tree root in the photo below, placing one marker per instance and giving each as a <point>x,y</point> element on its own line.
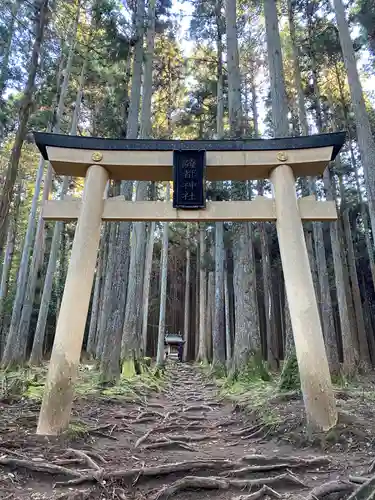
<point>189,483</point>
<point>264,491</point>
<point>227,423</point>
<point>188,439</point>
<point>283,397</point>
<point>358,479</point>
<point>292,464</point>
<point>144,437</point>
<point>68,461</point>
<point>104,435</point>
<point>149,414</point>
<point>257,433</point>
<point>263,459</point>
<point>214,483</point>
<point>365,491</point>
<point>32,465</point>
<point>75,495</point>
<point>96,455</point>
<point>81,454</point>
<point>98,431</point>
<point>246,430</point>
<point>161,470</point>
<point>328,488</point>
<point>371,468</point>
<point>198,408</point>
<point>167,443</point>
<point>144,420</point>
<point>192,417</point>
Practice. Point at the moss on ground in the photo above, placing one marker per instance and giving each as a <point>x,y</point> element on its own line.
<point>289,379</point>
<point>77,429</point>
<point>251,389</point>
<point>29,383</point>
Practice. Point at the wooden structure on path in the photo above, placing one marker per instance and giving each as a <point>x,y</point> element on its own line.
<point>171,344</point>
<point>189,163</point>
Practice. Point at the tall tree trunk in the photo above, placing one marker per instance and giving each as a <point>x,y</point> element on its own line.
<point>228,339</point>
<point>247,335</point>
<point>364,352</point>
<point>119,275</point>
<point>366,141</point>
<point>312,392</point>
<point>37,348</point>
<point>4,73</point>
<point>197,297</point>
<point>233,69</point>
<point>272,357</point>
<point>23,304</point>
<point>131,338</point>
<point>210,302</point>
<point>218,330</point>
<point>279,100</point>
<point>104,300</point>
<point>14,347</point>
<point>364,216</point>
<point>202,349</point>
<point>187,294</point>
<point>275,64</point>
<point>147,283</point>
<point>8,259</point>
<point>296,72</point>
<point>348,346</point>
<point>99,278</point>
<point>110,362</point>
<point>327,320</point>
<point>41,10</point>
<point>163,288</point>
<point>218,327</point>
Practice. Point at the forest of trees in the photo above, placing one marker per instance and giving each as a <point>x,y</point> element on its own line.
<point>120,69</point>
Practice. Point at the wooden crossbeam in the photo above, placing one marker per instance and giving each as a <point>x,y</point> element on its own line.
<point>158,165</point>
<point>260,209</point>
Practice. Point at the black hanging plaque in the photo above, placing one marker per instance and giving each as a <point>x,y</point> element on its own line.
<point>189,170</point>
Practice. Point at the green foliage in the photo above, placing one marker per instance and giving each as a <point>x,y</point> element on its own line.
<point>253,396</point>
<point>256,369</point>
<point>364,13</point>
<point>218,371</point>
<point>24,382</point>
<point>128,370</point>
<point>77,429</point>
<point>289,380</point>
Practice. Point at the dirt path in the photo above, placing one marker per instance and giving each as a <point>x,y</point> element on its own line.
<point>182,443</point>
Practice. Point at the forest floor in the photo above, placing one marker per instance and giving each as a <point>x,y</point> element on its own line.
<point>189,439</point>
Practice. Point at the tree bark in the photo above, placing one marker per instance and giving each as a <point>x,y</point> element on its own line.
<point>37,349</point>
<point>147,283</point>
<point>366,141</point>
<point>99,278</point>
<point>202,349</point>
<point>364,352</point>
<point>163,288</point>
<point>8,259</point>
<point>187,294</point>
<point>131,338</point>
<point>41,10</point>
<point>4,73</point>
<point>228,339</point>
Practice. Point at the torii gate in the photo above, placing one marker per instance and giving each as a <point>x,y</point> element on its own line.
<point>280,160</point>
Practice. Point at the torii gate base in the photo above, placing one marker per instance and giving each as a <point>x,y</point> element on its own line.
<point>236,160</point>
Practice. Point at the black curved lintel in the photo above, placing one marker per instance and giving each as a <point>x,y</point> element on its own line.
<point>43,140</point>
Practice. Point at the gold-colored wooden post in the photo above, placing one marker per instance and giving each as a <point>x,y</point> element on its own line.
<point>308,337</point>
<point>59,390</point>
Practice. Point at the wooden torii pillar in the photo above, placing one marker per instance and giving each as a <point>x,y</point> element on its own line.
<point>280,160</point>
